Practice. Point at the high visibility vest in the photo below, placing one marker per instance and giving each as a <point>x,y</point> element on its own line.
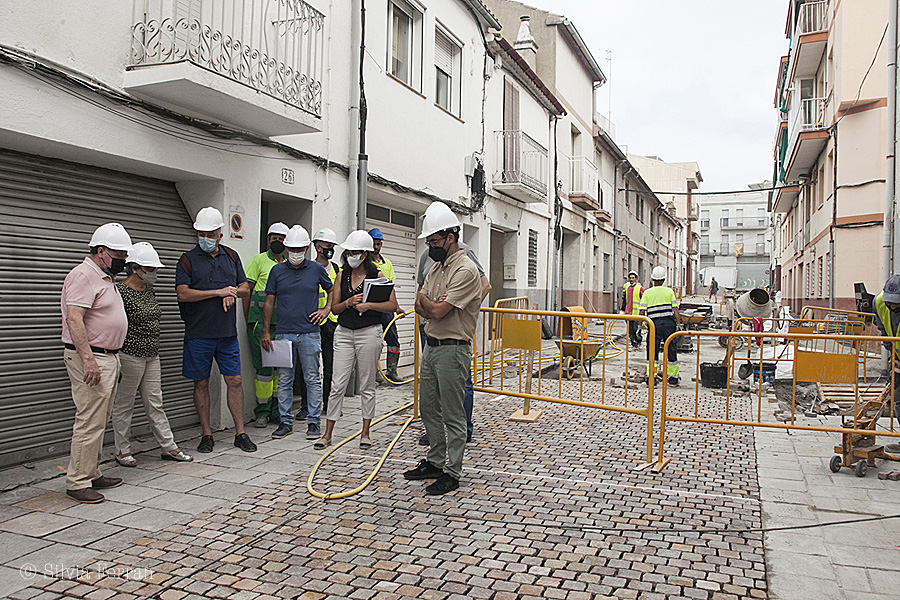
<point>323,295</point>
<point>258,271</point>
<point>884,313</point>
<point>635,298</point>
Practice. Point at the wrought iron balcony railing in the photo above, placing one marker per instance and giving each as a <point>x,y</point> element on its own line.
<point>273,46</point>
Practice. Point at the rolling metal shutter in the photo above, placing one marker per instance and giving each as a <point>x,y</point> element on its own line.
<point>50,208</point>
<point>400,249</point>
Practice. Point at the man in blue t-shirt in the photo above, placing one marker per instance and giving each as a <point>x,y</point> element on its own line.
<point>295,285</point>
<point>209,279</point>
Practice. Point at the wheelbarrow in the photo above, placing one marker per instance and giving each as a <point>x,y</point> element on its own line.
<point>858,452</point>
<point>577,354</point>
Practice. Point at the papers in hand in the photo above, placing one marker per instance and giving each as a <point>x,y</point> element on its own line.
<point>280,356</point>
<point>377,290</point>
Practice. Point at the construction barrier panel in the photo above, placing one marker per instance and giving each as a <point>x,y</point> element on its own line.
<point>511,359</point>
<point>826,367</point>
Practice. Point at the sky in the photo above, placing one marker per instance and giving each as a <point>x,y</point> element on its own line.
<point>690,80</point>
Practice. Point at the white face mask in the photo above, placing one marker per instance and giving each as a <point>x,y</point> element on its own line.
<point>296,258</point>
<point>149,277</point>
<point>354,261</point>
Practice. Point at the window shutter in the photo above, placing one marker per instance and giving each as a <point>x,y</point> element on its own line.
<point>443,53</point>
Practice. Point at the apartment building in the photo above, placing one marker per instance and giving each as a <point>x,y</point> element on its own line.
<point>831,98</point>
<point>680,179</point>
<point>734,233</point>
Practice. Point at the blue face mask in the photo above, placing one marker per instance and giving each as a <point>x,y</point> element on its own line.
<point>207,245</point>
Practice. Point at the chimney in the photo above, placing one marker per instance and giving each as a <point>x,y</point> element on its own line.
<point>525,44</point>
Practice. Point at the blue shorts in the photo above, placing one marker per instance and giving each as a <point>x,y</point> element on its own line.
<point>198,354</point>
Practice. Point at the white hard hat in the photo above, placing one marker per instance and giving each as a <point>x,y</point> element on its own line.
<point>208,219</point>
<point>359,240</point>
<point>144,254</point>
<point>658,274</point>
<point>326,235</point>
<point>278,229</point>
<point>112,236</point>
<point>438,220</point>
<point>436,207</point>
<point>297,237</point>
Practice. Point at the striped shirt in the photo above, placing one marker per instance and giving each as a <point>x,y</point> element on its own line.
<point>658,302</point>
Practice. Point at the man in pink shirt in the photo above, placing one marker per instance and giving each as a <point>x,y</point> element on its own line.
<point>94,325</point>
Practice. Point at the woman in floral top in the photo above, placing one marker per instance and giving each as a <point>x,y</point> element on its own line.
<point>139,357</point>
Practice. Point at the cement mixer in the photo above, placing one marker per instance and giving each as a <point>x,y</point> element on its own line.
<point>752,304</point>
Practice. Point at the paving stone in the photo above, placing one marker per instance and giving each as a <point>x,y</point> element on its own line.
<point>37,524</point>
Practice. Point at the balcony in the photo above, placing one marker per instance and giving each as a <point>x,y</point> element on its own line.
<point>583,180</point>
<point>694,214</point>
<point>760,249</point>
<point>704,248</point>
<point>808,136</point>
<point>522,167</point>
<point>809,39</point>
<point>724,248</point>
<point>253,64</point>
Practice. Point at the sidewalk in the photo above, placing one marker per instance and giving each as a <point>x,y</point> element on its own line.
<point>552,509</point>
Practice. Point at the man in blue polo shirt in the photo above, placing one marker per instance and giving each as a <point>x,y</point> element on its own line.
<point>209,279</point>
<point>295,285</point>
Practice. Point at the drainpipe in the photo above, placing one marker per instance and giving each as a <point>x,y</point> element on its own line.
<point>363,114</point>
<point>888,243</point>
<point>556,277</point>
<point>834,191</point>
<point>355,88</point>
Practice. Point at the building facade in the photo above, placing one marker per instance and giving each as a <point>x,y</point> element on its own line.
<point>734,234</point>
<point>831,98</point>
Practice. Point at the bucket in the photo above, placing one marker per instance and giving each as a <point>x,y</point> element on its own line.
<point>768,371</point>
<point>714,375</point>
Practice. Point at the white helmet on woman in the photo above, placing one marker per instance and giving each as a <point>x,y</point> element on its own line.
<point>144,254</point>
<point>359,240</point>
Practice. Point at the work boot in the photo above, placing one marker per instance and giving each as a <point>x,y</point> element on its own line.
<point>393,359</point>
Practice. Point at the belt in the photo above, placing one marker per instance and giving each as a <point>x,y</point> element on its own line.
<point>94,349</point>
<point>435,342</point>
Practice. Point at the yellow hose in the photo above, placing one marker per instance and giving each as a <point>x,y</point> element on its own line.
<point>368,480</point>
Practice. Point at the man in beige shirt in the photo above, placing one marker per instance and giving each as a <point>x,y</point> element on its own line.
<point>450,299</point>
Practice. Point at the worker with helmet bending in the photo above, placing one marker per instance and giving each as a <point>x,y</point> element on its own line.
<point>257,273</point>
<point>660,305</point>
<point>887,313</point>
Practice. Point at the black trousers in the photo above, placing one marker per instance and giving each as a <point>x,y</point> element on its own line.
<point>634,332</point>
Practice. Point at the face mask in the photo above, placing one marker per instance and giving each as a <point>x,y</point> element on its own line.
<point>116,265</point>
<point>207,244</point>
<point>437,254</point>
<point>296,258</point>
<point>354,261</point>
<point>276,247</point>
<point>148,277</point>
<point>328,253</point>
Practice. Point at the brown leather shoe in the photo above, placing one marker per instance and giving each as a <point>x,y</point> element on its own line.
<point>104,483</point>
<point>85,496</point>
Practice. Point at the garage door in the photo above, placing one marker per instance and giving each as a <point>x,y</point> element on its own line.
<point>399,230</point>
<point>50,208</point>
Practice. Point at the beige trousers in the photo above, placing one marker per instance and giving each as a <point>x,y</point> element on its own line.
<point>92,408</point>
<point>361,347</point>
<point>140,373</point>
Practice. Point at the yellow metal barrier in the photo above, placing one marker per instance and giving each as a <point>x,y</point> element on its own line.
<point>814,358</point>
<point>519,347</point>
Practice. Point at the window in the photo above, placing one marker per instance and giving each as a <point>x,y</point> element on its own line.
<point>761,216</point>
<point>704,219</point>
<point>723,247</point>
<point>760,243</point>
<point>532,257</point>
<point>606,281</point>
<point>447,60</point>
<point>821,274</point>
<point>704,244</point>
<point>724,217</point>
<point>739,218</point>
<point>404,43</point>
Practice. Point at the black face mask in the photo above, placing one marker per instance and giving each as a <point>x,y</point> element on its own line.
<point>276,247</point>
<point>116,265</point>
<point>328,253</point>
<point>437,254</point>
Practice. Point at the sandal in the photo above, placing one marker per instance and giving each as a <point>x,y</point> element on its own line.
<point>126,460</point>
<point>365,443</point>
<point>176,455</point>
<point>322,443</point>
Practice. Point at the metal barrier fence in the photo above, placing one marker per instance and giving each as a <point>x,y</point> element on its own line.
<point>510,338</point>
<point>822,359</point>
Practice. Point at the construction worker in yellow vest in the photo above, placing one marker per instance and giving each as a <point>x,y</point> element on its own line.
<point>324,242</point>
<point>391,337</point>
<point>257,273</point>
<point>660,305</point>
<point>887,313</point>
<point>631,305</point>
